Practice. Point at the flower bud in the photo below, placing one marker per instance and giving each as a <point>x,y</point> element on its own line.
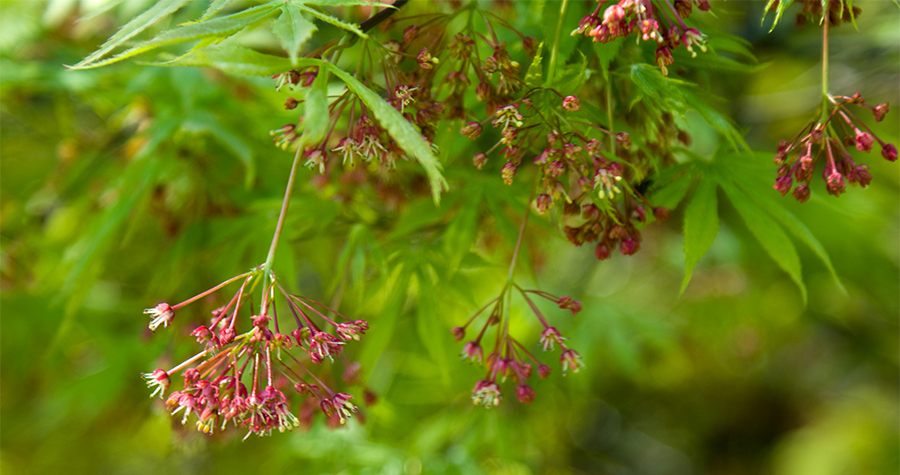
<point>661,213</point>
<point>863,177</point>
<point>530,44</point>
<point>479,160</point>
<point>783,184</point>
<point>409,33</point>
<point>458,333</point>
<point>290,103</point>
<point>544,371</point>
<point>801,193</point>
<point>483,92</point>
<point>566,303</point>
<point>629,246</point>
<point>525,394</point>
<point>508,172</point>
<point>880,111</point>
<point>889,152</point>
<point>835,183</point>
<point>864,141</point>
<point>664,59</point>
<point>471,130</point>
<point>571,104</point>
<point>543,202</point>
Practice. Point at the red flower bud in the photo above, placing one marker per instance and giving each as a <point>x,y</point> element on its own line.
<point>602,251</point>
<point>889,151</point>
<point>571,104</point>
<point>801,193</point>
<point>525,394</point>
<point>479,160</point>
<point>783,184</point>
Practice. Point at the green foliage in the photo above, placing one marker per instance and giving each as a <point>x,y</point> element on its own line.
<point>701,224</point>
<point>293,30</point>
<point>128,185</point>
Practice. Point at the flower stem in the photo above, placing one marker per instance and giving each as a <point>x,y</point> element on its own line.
<point>825,19</point>
<point>267,268</point>
<point>559,26</point>
<point>512,265</point>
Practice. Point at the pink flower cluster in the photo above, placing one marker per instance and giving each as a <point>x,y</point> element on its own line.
<point>820,142</point>
<point>660,21</point>
<point>509,358</point>
<point>242,373</point>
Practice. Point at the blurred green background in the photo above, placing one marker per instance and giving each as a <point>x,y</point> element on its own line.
<point>734,377</point>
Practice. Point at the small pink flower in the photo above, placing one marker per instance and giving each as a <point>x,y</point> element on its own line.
<point>162,314</point>
<point>158,380</point>
<point>472,350</point>
<point>352,330</point>
<point>570,360</point>
<point>692,37</point>
<point>458,333</point>
<point>551,337</point>
<point>486,393</point>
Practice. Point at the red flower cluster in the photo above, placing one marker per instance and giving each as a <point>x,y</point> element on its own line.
<point>819,141</point>
<point>236,379</point>
<point>508,357</point>
<point>659,21</point>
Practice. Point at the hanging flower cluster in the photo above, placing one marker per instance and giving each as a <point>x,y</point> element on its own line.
<point>811,12</point>
<point>593,190</point>
<point>828,141</point>
<point>243,371</point>
<point>661,21</point>
<point>508,358</point>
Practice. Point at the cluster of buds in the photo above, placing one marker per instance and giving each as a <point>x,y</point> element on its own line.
<point>820,141</point>
<point>811,12</point>
<point>509,358</point>
<point>362,139</point>
<point>597,200</point>
<point>661,22</point>
<point>242,374</point>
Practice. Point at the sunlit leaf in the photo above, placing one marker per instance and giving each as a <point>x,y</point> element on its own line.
<point>292,29</point>
<point>159,10</point>
<point>701,224</point>
<point>768,233</point>
<point>217,28</point>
